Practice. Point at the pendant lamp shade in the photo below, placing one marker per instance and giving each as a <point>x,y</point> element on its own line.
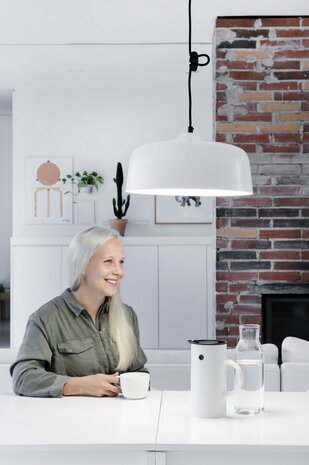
<point>189,166</point>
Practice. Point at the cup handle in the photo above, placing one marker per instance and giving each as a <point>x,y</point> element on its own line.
<point>238,379</point>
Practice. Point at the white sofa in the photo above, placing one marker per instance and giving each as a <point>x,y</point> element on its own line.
<point>295,364</point>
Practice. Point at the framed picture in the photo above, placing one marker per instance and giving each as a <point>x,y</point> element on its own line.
<point>46,202</point>
<point>183,210</point>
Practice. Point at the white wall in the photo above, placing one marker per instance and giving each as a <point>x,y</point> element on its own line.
<point>5,184</point>
<point>100,126</point>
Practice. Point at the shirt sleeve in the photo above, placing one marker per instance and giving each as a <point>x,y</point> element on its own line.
<point>30,371</point>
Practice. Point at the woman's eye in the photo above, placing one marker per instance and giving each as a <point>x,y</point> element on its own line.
<point>108,261</point>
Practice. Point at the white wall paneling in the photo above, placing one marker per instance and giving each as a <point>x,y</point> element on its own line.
<point>36,278</point>
<point>168,282</point>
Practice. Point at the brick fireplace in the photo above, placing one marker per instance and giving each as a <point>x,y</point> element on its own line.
<point>262,105</point>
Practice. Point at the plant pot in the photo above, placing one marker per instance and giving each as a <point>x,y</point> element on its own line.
<point>86,189</point>
<point>119,225</point>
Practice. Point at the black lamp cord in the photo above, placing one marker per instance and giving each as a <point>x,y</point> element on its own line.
<point>193,65</point>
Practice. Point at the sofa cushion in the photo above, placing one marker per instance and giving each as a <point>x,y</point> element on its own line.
<point>295,349</point>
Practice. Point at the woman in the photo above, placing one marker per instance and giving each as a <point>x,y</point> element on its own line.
<point>79,342</point>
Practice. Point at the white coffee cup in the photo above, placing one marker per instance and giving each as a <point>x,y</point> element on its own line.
<point>208,378</point>
<point>134,385</point>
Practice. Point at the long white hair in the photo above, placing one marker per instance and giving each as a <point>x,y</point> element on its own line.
<point>82,247</point>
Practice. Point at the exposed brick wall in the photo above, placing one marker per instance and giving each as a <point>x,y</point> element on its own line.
<point>262,105</point>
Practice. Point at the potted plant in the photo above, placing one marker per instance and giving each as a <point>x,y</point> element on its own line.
<point>84,181</point>
<point>120,205</point>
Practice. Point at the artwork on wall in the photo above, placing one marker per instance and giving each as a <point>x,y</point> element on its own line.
<point>46,202</point>
<point>183,210</point>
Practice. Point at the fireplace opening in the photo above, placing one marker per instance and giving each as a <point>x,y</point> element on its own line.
<point>284,315</point>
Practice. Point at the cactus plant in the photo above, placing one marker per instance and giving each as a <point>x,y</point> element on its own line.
<point>121,205</point>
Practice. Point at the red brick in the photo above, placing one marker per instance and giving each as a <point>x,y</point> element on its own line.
<point>305,21</point>
<point>305,254</point>
<point>290,64</point>
<point>250,299</point>
<point>292,33</point>
<point>222,243</point>
<point>238,287</point>
<point>291,265</point>
<point>250,319</point>
<point>229,319</point>
<point>235,22</point>
<point>288,96</point>
<point>250,244</point>
<point>279,233</point>
<point>248,309</point>
<point>279,190</point>
<point>256,138</point>
<point>235,64</point>
<point>222,222</point>
<point>279,276</point>
<point>254,117</point>
<point>252,201</point>
<point>283,85</point>
<point>236,276</point>
<point>288,137</point>
<point>223,298</point>
<point>246,85</point>
<point>291,54</point>
<point>306,234</point>
<point>221,137</point>
<point>305,277</point>
<point>278,43</point>
<point>221,86</point>
<point>222,287</point>
<point>222,201</point>
<point>249,33</point>
<point>287,148</point>
<point>292,202</point>
<point>247,75</point>
<point>280,22</point>
<point>279,255</point>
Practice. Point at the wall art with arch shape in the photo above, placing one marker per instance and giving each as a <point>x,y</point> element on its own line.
<point>46,201</point>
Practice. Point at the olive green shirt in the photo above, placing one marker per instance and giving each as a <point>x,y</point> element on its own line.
<point>61,341</point>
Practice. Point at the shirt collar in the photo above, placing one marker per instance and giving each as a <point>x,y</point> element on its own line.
<point>76,308</point>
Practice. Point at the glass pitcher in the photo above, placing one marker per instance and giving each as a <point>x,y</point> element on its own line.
<point>248,354</point>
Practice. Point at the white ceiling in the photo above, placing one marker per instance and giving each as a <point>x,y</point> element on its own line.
<point>96,43</point>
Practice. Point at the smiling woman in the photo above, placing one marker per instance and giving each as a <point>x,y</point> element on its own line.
<point>79,342</point>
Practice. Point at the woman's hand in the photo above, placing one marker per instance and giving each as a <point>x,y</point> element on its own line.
<point>93,385</point>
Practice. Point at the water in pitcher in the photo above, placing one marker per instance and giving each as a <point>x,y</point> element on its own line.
<point>248,354</point>
<point>250,399</point>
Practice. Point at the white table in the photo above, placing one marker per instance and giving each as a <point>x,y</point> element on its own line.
<point>78,430</point>
<point>278,437</point>
<point>92,431</point>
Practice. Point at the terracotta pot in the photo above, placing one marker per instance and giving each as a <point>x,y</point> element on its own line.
<point>118,225</point>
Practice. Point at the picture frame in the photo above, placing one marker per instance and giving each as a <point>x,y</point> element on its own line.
<point>46,202</point>
<point>183,210</point>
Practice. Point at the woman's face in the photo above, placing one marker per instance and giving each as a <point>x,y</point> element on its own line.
<point>105,271</point>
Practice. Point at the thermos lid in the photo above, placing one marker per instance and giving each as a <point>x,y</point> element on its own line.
<point>206,342</point>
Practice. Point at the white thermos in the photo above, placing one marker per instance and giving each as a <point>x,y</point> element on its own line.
<point>208,378</point>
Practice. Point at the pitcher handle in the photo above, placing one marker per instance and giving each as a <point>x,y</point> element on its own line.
<point>238,379</point>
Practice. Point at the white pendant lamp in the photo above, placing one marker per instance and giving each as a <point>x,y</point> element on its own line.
<point>189,165</point>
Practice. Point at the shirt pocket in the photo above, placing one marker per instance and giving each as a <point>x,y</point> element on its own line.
<point>78,357</point>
